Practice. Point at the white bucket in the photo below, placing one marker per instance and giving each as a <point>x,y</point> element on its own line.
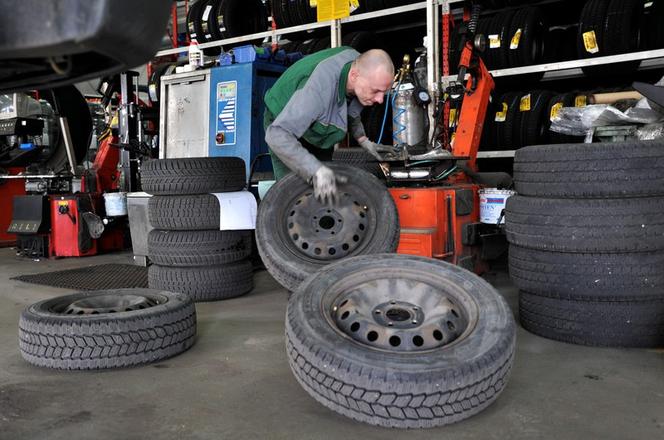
<point>492,204</point>
<point>116,204</point>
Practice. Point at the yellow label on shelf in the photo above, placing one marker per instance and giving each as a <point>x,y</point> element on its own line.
<point>516,39</point>
<point>581,101</point>
<point>313,3</point>
<point>453,117</point>
<point>590,41</point>
<point>555,110</point>
<point>524,105</point>
<point>332,9</point>
<point>494,41</point>
<point>354,4</point>
<point>502,115</point>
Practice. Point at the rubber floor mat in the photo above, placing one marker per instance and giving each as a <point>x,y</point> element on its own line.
<point>103,276</point>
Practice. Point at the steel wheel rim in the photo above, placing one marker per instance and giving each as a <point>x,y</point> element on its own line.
<point>104,304</point>
<point>328,232</point>
<point>402,315</point>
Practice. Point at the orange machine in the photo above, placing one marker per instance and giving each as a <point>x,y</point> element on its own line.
<point>438,202</point>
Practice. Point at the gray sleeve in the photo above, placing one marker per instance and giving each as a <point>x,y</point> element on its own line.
<point>301,111</point>
<point>355,119</point>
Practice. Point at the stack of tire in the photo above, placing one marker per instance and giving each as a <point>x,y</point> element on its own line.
<point>586,236</point>
<point>189,253</point>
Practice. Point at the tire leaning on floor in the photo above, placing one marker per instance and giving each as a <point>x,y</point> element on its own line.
<point>297,235</point>
<point>400,341</point>
<point>586,225</point>
<point>198,248</point>
<point>204,283</point>
<point>106,329</point>
<point>596,323</point>
<point>194,175</point>
<point>621,169</point>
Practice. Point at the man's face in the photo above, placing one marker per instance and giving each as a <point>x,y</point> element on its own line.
<point>370,87</point>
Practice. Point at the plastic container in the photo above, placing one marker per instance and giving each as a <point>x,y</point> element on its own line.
<point>492,205</point>
<point>195,55</point>
<point>245,54</point>
<point>115,204</point>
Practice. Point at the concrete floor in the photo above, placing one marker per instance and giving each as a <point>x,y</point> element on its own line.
<point>235,383</point>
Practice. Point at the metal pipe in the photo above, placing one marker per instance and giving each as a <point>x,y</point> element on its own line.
<point>69,148</point>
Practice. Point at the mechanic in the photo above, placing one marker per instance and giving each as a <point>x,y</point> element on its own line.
<point>309,108</point>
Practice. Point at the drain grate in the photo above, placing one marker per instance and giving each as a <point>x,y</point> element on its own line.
<point>101,277</point>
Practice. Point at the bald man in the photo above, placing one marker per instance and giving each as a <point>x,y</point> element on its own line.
<point>311,106</point>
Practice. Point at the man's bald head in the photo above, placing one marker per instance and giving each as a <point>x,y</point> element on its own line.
<point>375,59</point>
<point>370,76</point>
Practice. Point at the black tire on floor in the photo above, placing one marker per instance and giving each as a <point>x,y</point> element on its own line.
<point>621,169</point>
<point>595,323</point>
<point>292,254</point>
<point>358,157</point>
<point>198,248</point>
<point>383,378</point>
<point>587,277</point>
<point>534,124</point>
<point>145,326</point>
<point>586,225</point>
<point>196,175</point>
<point>184,213</point>
<point>204,283</point>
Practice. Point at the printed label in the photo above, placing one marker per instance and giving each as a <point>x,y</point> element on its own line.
<point>590,42</point>
<point>581,101</point>
<point>555,110</point>
<point>206,13</point>
<point>502,115</point>
<point>524,105</point>
<point>516,39</point>
<point>354,4</point>
<point>226,112</point>
<point>494,41</point>
<point>453,117</point>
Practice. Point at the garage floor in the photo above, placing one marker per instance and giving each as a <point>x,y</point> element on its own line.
<point>235,383</point>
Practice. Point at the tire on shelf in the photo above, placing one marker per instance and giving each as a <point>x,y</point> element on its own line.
<point>207,26</point>
<point>431,367</point>
<point>196,175</point>
<point>501,27</point>
<point>193,24</point>
<point>611,170</point>
<point>564,100</point>
<point>595,323</point>
<point>526,48</point>
<point>297,235</point>
<point>198,248</point>
<point>505,129</point>
<point>534,123</point>
<point>235,18</point>
<point>204,283</point>
<point>588,277</point>
<point>586,225</point>
<point>106,329</point>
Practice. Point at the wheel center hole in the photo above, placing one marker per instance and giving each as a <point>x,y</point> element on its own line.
<point>326,222</point>
<point>397,314</point>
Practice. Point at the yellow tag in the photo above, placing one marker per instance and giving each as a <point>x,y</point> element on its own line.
<point>313,3</point>
<point>502,115</point>
<point>332,9</point>
<point>590,41</point>
<point>555,110</point>
<point>581,101</point>
<point>494,41</point>
<point>453,117</point>
<point>63,203</point>
<point>452,139</point>
<point>354,4</point>
<point>524,106</point>
<point>516,39</point>
<point>115,123</point>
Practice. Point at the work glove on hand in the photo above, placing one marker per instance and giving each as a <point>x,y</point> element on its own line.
<point>376,149</point>
<point>325,184</point>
